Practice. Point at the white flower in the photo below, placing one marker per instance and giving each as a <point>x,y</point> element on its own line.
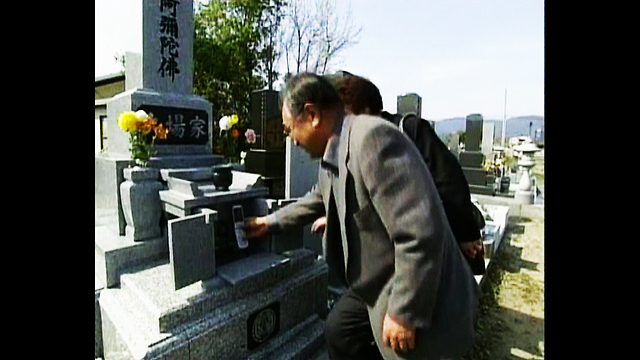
<point>225,123</point>
<point>142,115</point>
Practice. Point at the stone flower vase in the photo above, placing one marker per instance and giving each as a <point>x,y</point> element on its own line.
<point>222,176</point>
<point>141,203</point>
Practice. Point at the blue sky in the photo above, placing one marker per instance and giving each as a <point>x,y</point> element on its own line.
<point>458,55</point>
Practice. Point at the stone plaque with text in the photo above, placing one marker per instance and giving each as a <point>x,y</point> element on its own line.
<point>186,126</point>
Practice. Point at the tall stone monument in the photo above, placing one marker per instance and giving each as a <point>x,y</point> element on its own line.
<point>409,103</point>
<point>159,82</point>
<point>267,156</point>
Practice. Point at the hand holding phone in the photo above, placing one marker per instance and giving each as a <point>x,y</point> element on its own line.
<point>238,225</point>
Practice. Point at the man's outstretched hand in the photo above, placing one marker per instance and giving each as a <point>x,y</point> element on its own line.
<point>319,225</point>
<point>397,336</point>
<point>256,227</point>
<point>473,248</point>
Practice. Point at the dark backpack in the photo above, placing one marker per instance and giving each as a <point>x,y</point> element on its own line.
<point>477,265</point>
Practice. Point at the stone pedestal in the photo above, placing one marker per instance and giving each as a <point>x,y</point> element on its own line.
<point>479,181</point>
<point>141,203</point>
<point>268,306</point>
<point>271,165</point>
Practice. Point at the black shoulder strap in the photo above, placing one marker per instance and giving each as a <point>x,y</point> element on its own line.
<point>412,133</point>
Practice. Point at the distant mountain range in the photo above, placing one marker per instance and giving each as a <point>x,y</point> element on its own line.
<point>517,126</point>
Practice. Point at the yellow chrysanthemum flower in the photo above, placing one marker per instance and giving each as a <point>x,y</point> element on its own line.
<point>128,121</point>
<point>234,119</point>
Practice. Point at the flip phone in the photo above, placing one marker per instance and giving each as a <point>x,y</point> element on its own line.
<point>238,226</point>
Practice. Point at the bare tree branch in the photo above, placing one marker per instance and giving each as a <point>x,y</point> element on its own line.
<point>313,36</point>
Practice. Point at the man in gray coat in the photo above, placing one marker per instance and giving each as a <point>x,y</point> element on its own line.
<point>386,235</point>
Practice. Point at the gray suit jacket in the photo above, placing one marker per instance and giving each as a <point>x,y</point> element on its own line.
<point>387,235</point>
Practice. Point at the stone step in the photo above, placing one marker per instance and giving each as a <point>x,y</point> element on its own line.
<point>482,190</point>
<point>129,331</point>
<point>114,254</point>
<point>299,343</point>
<point>303,342</point>
<point>169,308</point>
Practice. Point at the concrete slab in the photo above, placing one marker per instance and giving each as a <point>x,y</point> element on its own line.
<point>246,270</point>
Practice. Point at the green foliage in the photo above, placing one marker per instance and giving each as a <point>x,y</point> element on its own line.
<point>462,137</point>
<point>228,52</point>
<point>141,148</point>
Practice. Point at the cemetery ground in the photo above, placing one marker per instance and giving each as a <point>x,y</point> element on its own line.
<point>510,324</point>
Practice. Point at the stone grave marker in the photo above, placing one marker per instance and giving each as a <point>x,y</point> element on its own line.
<point>409,103</point>
<point>301,174</point>
<point>301,171</point>
<point>487,139</point>
<point>192,248</point>
<point>474,132</point>
<point>472,157</point>
<point>267,156</point>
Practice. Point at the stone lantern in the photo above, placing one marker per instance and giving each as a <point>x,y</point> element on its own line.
<point>524,193</point>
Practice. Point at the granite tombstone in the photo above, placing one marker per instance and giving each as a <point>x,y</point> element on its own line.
<point>193,293</point>
<point>215,301</point>
<point>158,81</point>
<point>471,159</point>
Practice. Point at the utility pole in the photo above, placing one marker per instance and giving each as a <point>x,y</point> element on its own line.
<point>504,121</point>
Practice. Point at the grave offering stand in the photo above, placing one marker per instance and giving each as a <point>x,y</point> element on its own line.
<point>213,299</point>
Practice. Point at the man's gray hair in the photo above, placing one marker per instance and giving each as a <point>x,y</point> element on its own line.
<point>308,87</point>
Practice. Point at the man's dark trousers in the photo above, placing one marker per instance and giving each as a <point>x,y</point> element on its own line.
<point>348,331</point>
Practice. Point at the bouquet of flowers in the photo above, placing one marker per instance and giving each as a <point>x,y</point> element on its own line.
<point>140,127</point>
<point>493,166</point>
<point>234,139</point>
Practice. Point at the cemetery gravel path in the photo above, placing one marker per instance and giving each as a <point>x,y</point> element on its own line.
<point>510,325</point>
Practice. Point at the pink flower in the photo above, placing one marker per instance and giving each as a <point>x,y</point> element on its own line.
<point>250,135</point>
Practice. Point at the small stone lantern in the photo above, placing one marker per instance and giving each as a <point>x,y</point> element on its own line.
<point>524,193</point>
